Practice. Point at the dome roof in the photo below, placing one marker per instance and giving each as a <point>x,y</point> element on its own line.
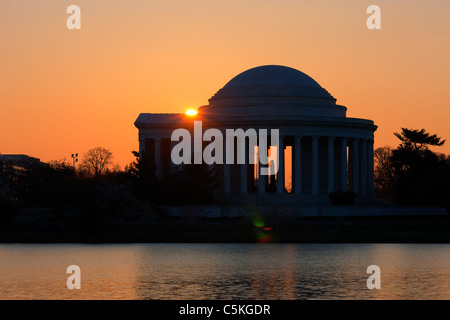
<point>272,75</point>
<point>274,89</point>
<point>272,81</point>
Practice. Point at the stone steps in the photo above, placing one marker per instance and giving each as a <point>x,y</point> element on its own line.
<point>274,199</point>
<point>291,200</point>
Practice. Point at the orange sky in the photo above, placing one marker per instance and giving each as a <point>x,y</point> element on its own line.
<point>64,91</point>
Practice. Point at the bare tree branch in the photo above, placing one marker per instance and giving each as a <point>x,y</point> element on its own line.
<point>96,160</point>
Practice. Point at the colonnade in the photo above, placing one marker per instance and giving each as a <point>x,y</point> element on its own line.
<point>319,165</point>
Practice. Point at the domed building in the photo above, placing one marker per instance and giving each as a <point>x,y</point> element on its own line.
<point>323,149</point>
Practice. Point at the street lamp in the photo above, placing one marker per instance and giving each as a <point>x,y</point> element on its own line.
<point>74,159</point>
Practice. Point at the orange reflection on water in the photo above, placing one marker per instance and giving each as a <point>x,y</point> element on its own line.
<point>225,271</point>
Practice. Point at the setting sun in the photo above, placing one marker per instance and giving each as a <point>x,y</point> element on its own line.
<point>191,112</point>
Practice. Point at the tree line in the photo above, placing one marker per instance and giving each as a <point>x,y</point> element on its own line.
<point>412,174</point>
<point>96,190</point>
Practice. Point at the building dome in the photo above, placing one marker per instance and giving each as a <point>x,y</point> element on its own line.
<point>274,89</point>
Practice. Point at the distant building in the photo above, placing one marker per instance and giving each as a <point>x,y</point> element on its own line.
<point>21,161</point>
<point>16,164</point>
<point>325,150</point>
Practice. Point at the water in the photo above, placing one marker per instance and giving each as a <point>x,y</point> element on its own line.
<point>225,271</point>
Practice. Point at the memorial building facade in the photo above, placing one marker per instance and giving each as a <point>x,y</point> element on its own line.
<point>321,150</point>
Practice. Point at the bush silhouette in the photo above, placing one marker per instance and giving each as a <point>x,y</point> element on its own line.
<point>342,198</point>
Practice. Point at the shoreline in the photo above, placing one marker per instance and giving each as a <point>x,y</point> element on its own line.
<point>302,230</point>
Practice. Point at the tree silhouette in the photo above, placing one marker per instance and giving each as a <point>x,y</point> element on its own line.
<point>96,161</point>
<point>413,151</point>
<point>142,175</point>
<point>7,180</point>
<point>184,184</point>
<point>412,174</point>
<point>384,174</point>
<point>418,139</point>
<point>194,183</point>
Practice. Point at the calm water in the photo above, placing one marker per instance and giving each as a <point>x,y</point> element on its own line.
<point>225,271</point>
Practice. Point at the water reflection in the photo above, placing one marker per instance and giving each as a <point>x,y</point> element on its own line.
<point>225,271</point>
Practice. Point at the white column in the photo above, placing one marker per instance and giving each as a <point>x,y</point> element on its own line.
<point>261,178</point>
<point>141,148</point>
<point>226,169</point>
<point>280,173</point>
<point>330,164</point>
<point>363,177</point>
<point>158,157</point>
<point>344,164</point>
<point>355,168</point>
<point>226,179</point>
<point>173,166</point>
<point>298,165</point>
<point>370,189</point>
<point>243,168</point>
<point>315,165</point>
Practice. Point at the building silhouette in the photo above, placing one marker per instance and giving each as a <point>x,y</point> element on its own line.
<point>324,150</point>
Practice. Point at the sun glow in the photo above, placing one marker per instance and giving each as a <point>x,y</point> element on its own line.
<point>191,112</point>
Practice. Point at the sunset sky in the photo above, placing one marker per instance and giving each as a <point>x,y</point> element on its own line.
<point>64,91</point>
